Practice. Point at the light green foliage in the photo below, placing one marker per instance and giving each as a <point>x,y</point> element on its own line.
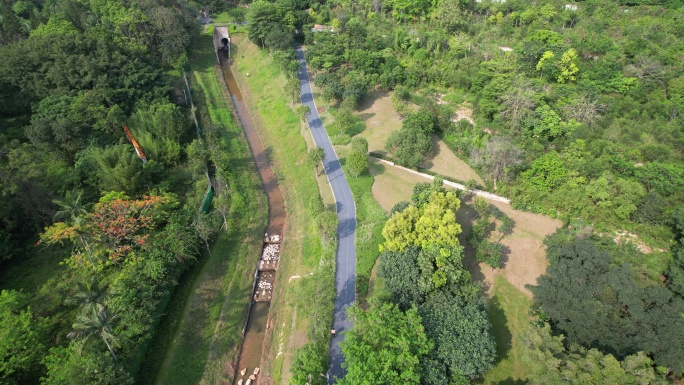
<point>550,125</point>
<point>440,266</point>
<point>437,224</point>
<point>158,129</point>
<point>431,223</point>
<point>546,172</point>
<point>309,366</point>
<point>315,157</point>
<point>621,195</point>
<point>399,229</point>
<point>553,363</point>
<point>545,62</point>
<point>385,346</point>
<point>568,67</point>
<point>327,225</point>
<point>21,335</point>
<point>55,26</point>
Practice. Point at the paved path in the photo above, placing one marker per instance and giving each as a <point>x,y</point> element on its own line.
<point>484,194</point>
<point>345,277</point>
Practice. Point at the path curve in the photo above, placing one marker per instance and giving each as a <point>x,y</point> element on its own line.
<point>345,274</point>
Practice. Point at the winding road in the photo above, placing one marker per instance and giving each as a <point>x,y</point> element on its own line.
<point>345,274</point>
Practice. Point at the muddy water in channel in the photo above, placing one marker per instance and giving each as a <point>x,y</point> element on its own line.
<point>250,356</point>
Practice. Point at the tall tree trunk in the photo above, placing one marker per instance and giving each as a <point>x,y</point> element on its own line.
<point>110,349</point>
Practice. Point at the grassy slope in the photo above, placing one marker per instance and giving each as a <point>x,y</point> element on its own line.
<point>209,332</point>
<point>509,314</point>
<point>370,218</point>
<point>293,314</point>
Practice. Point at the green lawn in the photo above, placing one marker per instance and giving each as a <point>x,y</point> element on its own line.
<point>208,331</point>
<point>509,313</point>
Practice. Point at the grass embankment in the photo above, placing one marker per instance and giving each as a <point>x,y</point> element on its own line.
<point>509,314</point>
<point>370,219</point>
<point>303,306</point>
<point>205,330</point>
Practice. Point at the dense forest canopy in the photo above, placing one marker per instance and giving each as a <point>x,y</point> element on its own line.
<point>72,75</point>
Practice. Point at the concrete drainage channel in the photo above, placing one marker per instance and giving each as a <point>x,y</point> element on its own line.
<point>249,360</point>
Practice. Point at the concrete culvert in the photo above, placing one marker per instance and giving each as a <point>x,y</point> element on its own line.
<point>224,41</point>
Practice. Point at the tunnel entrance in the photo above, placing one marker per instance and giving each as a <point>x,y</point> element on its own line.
<point>224,41</point>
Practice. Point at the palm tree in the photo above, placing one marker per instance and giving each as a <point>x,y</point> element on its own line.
<point>90,296</point>
<point>71,208</point>
<point>97,322</point>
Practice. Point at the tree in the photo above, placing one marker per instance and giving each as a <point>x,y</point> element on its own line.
<point>68,366</point>
<point>357,160</point>
<point>261,18</point>
<point>206,226</point>
<point>546,172</point>
<point>315,157</point>
<point>359,144</point>
<point>432,223</point>
<point>385,346</point>
<point>410,144</point>
<point>302,110</point>
<point>462,335</point>
<point>449,15</point>
<point>90,296</point>
<point>490,253</point>
<point>327,224</point>
<point>21,338</point>
<point>568,67</point>
<point>309,365</point>
<point>400,273</point>
<point>600,306</point>
<point>584,109</point>
<point>115,227</point>
<point>71,207</point>
<point>97,322</point>
<point>518,102</point>
<point>497,158</point>
<point>552,363</point>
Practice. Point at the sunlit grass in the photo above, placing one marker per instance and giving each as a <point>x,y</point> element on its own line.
<point>509,313</point>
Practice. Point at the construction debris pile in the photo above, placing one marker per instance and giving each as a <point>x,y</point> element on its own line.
<point>250,380</point>
<point>269,257</point>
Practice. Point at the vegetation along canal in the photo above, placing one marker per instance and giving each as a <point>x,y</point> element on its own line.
<point>250,355</point>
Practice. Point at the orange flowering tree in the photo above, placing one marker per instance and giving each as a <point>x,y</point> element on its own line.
<point>115,228</point>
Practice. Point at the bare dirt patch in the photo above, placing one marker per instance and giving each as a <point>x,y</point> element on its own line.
<point>526,260</point>
<point>463,112</point>
<point>380,118</point>
<point>443,161</point>
<point>526,257</point>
